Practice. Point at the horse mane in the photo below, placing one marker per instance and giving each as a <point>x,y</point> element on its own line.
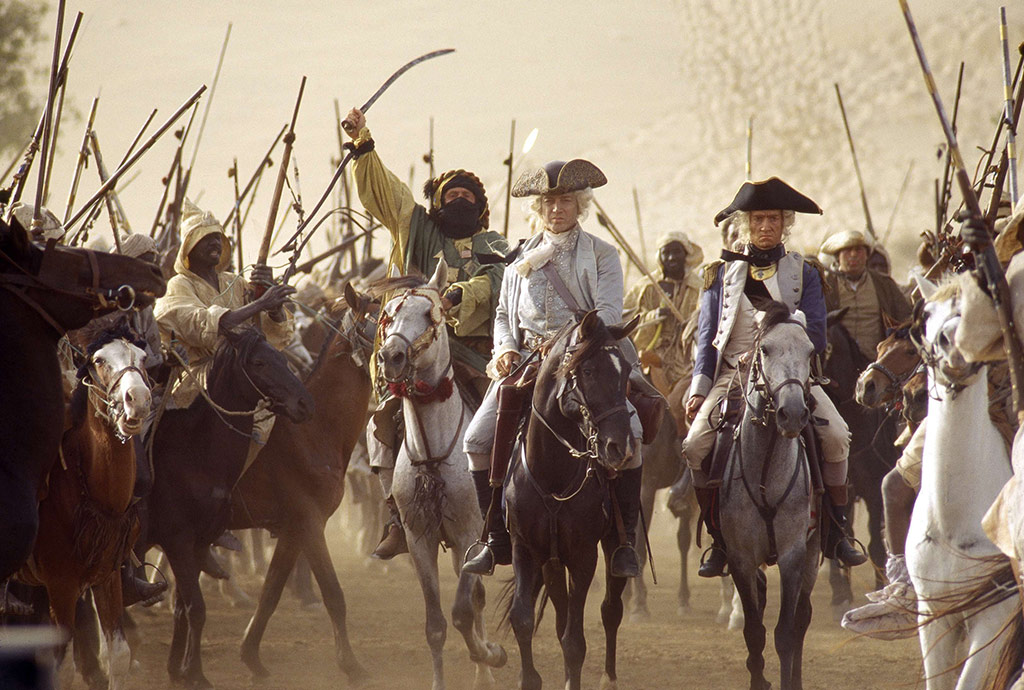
<point>774,314</point>
<point>381,287</point>
<point>596,338</point>
<point>245,340</point>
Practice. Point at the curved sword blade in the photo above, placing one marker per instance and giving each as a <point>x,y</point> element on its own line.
<point>405,68</point>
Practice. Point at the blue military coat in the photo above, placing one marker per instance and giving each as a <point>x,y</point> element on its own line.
<point>799,286</point>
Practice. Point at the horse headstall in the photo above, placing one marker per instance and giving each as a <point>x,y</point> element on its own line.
<point>423,341</point>
<point>763,408</point>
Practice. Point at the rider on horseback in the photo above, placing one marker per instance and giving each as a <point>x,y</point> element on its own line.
<point>455,228</point>
<point>562,273</point>
<point>731,307</point>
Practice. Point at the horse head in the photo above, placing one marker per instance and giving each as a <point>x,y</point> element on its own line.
<point>590,377</point>
<point>114,372</point>
<point>843,359</point>
<point>895,364</point>
<point>934,333</point>
<point>73,286</point>
<point>781,368</point>
<point>264,374</point>
<point>413,334</point>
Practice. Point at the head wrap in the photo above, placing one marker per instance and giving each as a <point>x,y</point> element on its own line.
<point>845,239</point>
<point>694,254</point>
<point>435,188</point>
<point>195,225</point>
<point>137,244</point>
<point>51,228</point>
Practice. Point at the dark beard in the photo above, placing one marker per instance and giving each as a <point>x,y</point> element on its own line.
<point>458,219</point>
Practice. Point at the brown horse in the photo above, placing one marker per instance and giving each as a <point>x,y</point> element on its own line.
<point>45,295</point>
<point>86,527</point>
<point>298,480</point>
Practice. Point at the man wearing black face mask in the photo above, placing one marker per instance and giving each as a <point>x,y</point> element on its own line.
<point>454,226</point>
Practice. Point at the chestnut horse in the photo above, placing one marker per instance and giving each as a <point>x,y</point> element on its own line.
<point>86,527</point>
<point>45,298</point>
<point>298,479</point>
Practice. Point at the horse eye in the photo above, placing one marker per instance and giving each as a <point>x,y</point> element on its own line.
<point>588,371</point>
<point>99,361</point>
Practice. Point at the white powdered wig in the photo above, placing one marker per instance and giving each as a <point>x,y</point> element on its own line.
<point>741,221</point>
<point>584,197</point>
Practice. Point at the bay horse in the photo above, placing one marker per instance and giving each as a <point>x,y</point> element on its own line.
<point>297,481</point>
<point>86,527</point>
<point>558,494</point>
<point>39,301</point>
<point>872,450</point>
<point>964,464</point>
<point>432,487</point>
<point>769,510</point>
<point>198,456</point>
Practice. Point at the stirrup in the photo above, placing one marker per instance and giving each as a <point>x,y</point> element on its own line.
<point>706,556</point>
<point>482,563</point>
<point>634,570</point>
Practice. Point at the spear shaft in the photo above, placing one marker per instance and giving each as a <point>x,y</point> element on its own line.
<point>508,163</point>
<point>83,157</point>
<point>37,213</point>
<point>1011,122</point>
<point>856,165</point>
<point>289,139</point>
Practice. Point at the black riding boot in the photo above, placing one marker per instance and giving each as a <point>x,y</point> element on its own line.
<point>498,549</point>
<point>136,589</point>
<point>714,564</point>
<point>838,545</point>
<point>625,562</point>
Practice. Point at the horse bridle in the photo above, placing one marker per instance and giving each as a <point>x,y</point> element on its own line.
<point>122,297</point>
<point>113,408</point>
<point>763,386</point>
<point>413,348</point>
<point>932,361</point>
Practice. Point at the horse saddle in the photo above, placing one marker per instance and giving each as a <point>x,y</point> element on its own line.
<point>730,411</point>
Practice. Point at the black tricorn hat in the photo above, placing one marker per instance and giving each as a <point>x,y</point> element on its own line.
<point>768,195</point>
<point>559,177</point>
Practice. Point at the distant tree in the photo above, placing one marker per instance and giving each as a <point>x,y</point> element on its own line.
<point>20,107</point>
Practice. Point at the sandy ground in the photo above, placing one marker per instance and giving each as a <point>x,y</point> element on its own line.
<point>386,628</point>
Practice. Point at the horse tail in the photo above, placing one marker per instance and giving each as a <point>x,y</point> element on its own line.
<point>505,597</point>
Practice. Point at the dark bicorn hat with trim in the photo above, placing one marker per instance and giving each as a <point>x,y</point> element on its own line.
<point>768,195</point>
<point>559,177</point>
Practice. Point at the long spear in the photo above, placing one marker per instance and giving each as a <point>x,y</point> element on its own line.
<point>83,159</point>
<point>947,190</point>
<point>856,165</point>
<point>985,255</point>
<point>750,146</point>
<point>209,102</point>
<point>265,162</point>
<point>61,89</point>
<point>136,156</point>
<point>233,174</point>
<point>175,168</point>
<point>109,197</point>
<point>508,182</point>
<point>896,206</point>
<point>1011,123</point>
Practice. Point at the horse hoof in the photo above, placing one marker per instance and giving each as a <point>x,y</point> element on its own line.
<point>640,616</point>
<point>736,622</point>
<point>356,674</point>
<point>500,653</point>
<point>684,611</point>
<point>607,683</point>
<point>256,666</point>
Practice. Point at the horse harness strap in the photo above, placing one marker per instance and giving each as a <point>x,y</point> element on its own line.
<point>553,502</point>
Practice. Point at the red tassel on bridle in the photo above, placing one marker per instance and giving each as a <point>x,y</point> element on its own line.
<point>421,391</point>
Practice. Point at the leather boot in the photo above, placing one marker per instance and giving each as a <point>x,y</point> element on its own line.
<point>497,550</point>
<point>393,542</point>
<point>482,482</point>
<point>838,545</point>
<point>625,562</point>
<point>715,562</point>
<point>212,567</point>
<point>136,589</point>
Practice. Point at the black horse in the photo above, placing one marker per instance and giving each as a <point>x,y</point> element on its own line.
<point>872,450</point>
<point>558,495</point>
<point>39,301</point>
<point>198,455</point>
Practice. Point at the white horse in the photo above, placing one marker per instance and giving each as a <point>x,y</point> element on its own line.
<point>432,485</point>
<point>964,464</point>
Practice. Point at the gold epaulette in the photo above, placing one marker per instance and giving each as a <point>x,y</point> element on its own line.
<point>711,273</point>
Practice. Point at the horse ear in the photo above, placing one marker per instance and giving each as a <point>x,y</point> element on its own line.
<point>622,330</point>
<point>353,301</point>
<point>439,281</point>
<point>835,316</point>
<point>889,323</point>
<point>926,286</point>
<point>589,322</point>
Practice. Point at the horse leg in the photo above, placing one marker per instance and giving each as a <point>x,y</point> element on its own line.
<point>940,639</point>
<point>87,644</point>
<point>424,556</point>
<point>684,538</point>
<point>63,600</point>
<point>611,618</point>
<point>802,621</point>
<point>876,544</point>
<point>176,654</point>
<point>315,548</point>
<point>521,615</point>
<point>574,643</point>
<point>791,571</point>
<point>110,608</point>
<point>842,592</point>
<point>19,514</point>
<point>281,564</point>
<point>726,594</point>
<point>185,564</point>
<point>639,611</point>
<point>986,637</point>
<point>750,585</point>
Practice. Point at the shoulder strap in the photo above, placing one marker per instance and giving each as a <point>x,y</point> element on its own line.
<point>556,281</point>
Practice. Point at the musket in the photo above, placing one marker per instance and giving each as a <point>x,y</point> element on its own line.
<point>116,175</point>
<point>946,181</point>
<point>290,244</point>
<point>233,174</point>
<point>61,89</point>
<point>265,162</point>
<point>18,183</point>
<point>508,163</point>
<point>182,135</point>
<point>109,196</point>
<point>1011,122</point>
<point>989,153</point>
<point>37,213</point>
<point>985,255</point>
<point>83,160</point>
<point>856,165</point>
<point>606,222</point>
<point>289,139</point>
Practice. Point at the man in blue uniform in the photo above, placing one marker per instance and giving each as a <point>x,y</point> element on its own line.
<point>736,291</point>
